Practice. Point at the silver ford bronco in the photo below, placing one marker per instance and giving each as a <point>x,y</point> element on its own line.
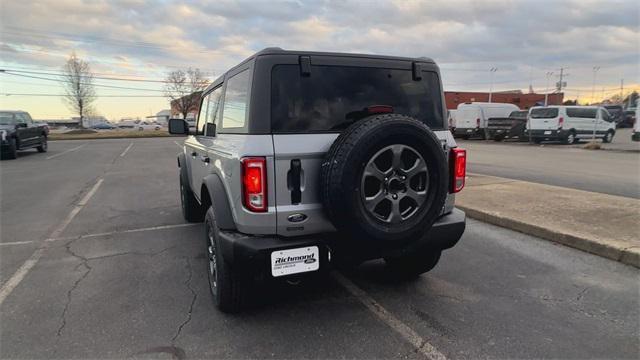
<point>303,160</point>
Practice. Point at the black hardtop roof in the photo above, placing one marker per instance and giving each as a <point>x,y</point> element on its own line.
<point>280,51</point>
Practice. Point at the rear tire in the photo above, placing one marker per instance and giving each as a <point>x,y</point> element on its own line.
<point>570,139</point>
<point>228,288</point>
<point>191,209</point>
<point>537,141</point>
<point>43,145</point>
<point>413,264</point>
<point>498,138</point>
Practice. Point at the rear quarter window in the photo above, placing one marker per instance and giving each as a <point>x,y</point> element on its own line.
<point>582,112</point>
<point>327,100</point>
<point>544,113</point>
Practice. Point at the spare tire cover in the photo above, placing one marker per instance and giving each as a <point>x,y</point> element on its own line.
<point>385,178</point>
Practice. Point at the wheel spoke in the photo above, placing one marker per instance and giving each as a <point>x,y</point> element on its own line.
<point>373,171</point>
<point>417,196</point>
<point>395,216</point>
<point>397,157</point>
<point>372,201</point>
<point>418,167</point>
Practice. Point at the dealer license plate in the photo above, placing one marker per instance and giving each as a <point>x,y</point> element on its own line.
<point>294,261</point>
<point>548,132</point>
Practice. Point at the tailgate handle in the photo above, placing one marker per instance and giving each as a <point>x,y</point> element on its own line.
<point>294,181</point>
<point>305,66</point>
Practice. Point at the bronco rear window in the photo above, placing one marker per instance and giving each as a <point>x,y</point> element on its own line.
<point>544,113</point>
<point>331,98</point>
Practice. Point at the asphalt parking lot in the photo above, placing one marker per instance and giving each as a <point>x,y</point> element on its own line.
<point>97,262</point>
<point>613,172</point>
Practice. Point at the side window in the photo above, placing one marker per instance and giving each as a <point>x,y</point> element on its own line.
<point>214,106</point>
<point>202,116</point>
<point>20,118</point>
<point>234,110</point>
<point>605,115</point>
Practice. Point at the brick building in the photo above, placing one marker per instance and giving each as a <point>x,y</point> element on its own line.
<point>516,97</point>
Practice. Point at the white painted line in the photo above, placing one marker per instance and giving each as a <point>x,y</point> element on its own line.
<point>177,143</point>
<point>153,228</point>
<point>24,269</point>
<point>125,150</point>
<point>66,151</point>
<point>421,345</point>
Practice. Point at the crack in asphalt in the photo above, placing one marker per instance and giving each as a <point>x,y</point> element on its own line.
<point>193,301</point>
<point>84,262</point>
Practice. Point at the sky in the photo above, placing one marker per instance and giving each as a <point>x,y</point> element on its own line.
<point>144,40</point>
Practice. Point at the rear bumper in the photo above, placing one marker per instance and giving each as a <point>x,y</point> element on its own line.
<point>467,131</point>
<point>252,254</point>
<point>547,134</point>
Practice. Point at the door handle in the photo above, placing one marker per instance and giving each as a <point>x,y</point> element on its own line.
<point>205,159</point>
<point>194,154</point>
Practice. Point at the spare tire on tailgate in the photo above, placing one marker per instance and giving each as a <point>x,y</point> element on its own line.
<point>385,179</point>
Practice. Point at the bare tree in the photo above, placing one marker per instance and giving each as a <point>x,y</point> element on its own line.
<point>78,83</point>
<point>180,88</point>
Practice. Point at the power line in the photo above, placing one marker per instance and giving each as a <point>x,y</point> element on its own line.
<point>101,96</point>
<point>97,85</point>
<point>95,77</point>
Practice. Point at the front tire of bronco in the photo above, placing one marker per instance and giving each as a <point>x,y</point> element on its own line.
<point>413,264</point>
<point>191,209</point>
<point>228,288</point>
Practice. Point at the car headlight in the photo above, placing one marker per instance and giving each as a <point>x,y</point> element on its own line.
<point>3,134</point>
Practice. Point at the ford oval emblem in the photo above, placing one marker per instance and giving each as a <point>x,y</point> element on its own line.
<point>295,218</point>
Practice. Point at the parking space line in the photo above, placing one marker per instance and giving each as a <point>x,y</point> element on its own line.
<point>177,143</point>
<point>421,345</point>
<point>108,233</point>
<point>66,151</point>
<point>24,269</point>
<point>126,150</point>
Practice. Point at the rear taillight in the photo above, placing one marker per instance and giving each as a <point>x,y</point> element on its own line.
<point>254,184</point>
<point>458,166</point>
<point>478,122</point>
<point>560,122</point>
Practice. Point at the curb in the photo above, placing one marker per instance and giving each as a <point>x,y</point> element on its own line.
<point>628,256</point>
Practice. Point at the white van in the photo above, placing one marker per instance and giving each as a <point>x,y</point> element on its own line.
<point>569,124</point>
<point>451,119</point>
<point>472,118</point>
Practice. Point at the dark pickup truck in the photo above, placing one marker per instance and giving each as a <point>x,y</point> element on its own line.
<point>509,127</point>
<point>19,132</point>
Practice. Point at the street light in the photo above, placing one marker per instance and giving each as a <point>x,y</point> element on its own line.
<point>593,96</point>
<point>492,71</point>
<point>546,91</point>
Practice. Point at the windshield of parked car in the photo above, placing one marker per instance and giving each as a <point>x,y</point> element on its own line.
<point>544,113</point>
<point>332,96</point>
<point>7,118</point>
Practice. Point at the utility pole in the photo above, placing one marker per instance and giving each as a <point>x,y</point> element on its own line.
<point>546,91</point>
<point>621,91</point>
<point>593,96</point>
<point>492,71</point>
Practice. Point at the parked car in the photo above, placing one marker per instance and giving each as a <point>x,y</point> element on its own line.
<point>19,132</point>
<point>636,126</point>
<point>629,119</point>
<point>617,113</point>
<point>472,118</point>
<point>569,124</point>
<point>509,127</point>
<point>148,126</point>
<point>127,125</point>
<point>103,126</point>
<point>300,160</point>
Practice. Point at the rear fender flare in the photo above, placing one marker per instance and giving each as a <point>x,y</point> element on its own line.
<point>219,202</point>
